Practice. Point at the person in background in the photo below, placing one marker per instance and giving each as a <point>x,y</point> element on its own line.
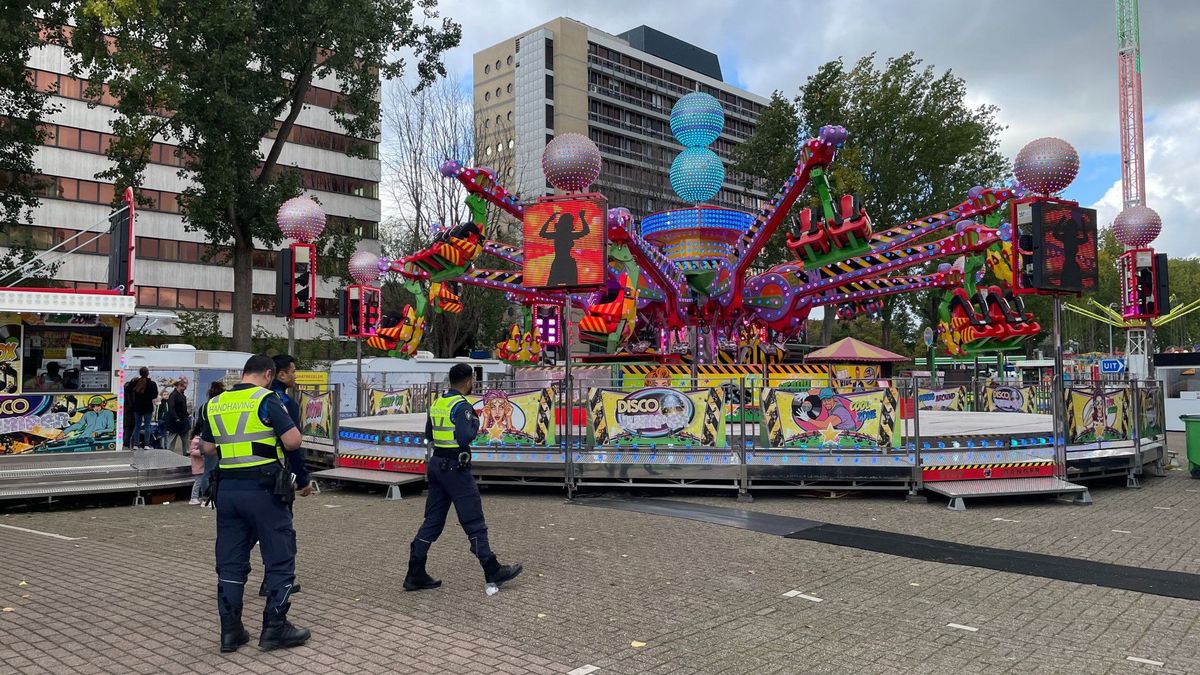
<point>54,375</point>
<point>140,394</point>
<point>128,421</point>
<point>200,489</point>
<point>160,415</point>
<point>285,379</point>
<point>178,419</point>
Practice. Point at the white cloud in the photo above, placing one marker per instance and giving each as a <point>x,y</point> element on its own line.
<point>1172,179</point>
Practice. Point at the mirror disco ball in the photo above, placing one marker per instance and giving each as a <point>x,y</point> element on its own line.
<point>1046,165</point>
<point>571,162</point>
<point>1137,226</point>
<point>697,119</point>
<point>697,174</point>
<point>364,267</point>
<point>301,218</point>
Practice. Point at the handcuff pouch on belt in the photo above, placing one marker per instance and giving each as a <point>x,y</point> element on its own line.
<point>282,483</point>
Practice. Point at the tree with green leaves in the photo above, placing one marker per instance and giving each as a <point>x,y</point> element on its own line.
<point>915,146</point>
<point>22,111</point>
<point>916,143</point>
<point>235,73</point>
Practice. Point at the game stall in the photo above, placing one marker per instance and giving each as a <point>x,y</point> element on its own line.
<point>62,399</point>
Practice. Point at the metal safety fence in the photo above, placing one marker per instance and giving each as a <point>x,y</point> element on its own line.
<point>735,433</point>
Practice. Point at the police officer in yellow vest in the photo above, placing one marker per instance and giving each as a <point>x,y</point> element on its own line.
<point>257,475</point>
<point>451,427</point>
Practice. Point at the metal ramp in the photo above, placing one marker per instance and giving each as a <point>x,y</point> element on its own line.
<point>959,490</point>
<point>392,479</point>
<point>49,476</point>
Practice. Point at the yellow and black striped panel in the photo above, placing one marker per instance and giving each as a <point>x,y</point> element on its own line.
<point>952,467</point>
<point>774,423</point>
<point>714,415</point>
<point>379,458</point>
<point>498,276</point>
<point>887,417</point>
<point>598,420</point>
<point>810,370</point>
<point>545,405</point>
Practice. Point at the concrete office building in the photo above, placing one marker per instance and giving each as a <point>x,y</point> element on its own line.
<point>565,76</point>
<point>172,272</point>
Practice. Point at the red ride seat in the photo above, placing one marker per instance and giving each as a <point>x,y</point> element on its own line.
<point>812,241</point>
<point>851,226</point>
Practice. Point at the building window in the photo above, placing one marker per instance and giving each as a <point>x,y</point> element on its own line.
<point>497,64</point>
<point>487,69</point>
<point>498,120</point>
<point>510,144</point>
<point>549,54</point>
<point>508,89</point>
<point>497,92</point>
<point>550,87</point>
<point>509,60</point>
<point>487,124</point>
<point>550,117</point>
<point>487,95</point>
<point>509,116</point>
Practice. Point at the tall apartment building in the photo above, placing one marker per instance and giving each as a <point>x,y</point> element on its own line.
<point>177,269</point>
<point>566,76</point>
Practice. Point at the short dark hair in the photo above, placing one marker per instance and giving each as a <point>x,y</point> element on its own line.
<point>460,373</point>
<point>282,361</point>
<point>258,364</point>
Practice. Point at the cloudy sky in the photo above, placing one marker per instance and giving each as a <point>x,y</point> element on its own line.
<point>1050,65</point>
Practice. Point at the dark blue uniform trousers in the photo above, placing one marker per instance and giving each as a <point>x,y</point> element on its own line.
<point>247,512</point>
<point>451,483</point>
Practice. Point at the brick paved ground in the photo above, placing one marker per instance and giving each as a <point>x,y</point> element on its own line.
<point>136,595</point>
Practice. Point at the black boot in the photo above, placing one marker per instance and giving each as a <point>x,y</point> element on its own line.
<point>495,573</point>
<point>279,633</point>
<point>233,634</point>
<point>417,578</point>
<point>262,589</point>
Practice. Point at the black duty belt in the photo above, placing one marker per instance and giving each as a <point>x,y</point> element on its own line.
<point>451,453</point>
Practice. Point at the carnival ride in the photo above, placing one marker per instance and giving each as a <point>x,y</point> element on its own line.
<point>694,268</point>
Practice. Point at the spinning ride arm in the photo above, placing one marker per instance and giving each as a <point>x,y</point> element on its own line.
<point>815,153</point>
<point>980,202</point>
<point>885,286</point>
<point>833,275</point>
<point>482,182</point>
<point>659,270</point>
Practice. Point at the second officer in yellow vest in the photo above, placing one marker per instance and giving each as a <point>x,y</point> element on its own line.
<point>451,427</point>
<point>255,482</point>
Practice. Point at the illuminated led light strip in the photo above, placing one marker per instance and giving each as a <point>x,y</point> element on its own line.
<point>78,302</point>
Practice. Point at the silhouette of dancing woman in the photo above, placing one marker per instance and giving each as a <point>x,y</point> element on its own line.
<point>1073,235</point>
<point>564,271</point>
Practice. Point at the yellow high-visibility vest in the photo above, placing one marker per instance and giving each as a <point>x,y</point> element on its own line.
<point>443,426</point>
<point>242,438</point>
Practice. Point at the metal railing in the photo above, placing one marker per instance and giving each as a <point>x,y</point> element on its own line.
<point>805,433</point>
